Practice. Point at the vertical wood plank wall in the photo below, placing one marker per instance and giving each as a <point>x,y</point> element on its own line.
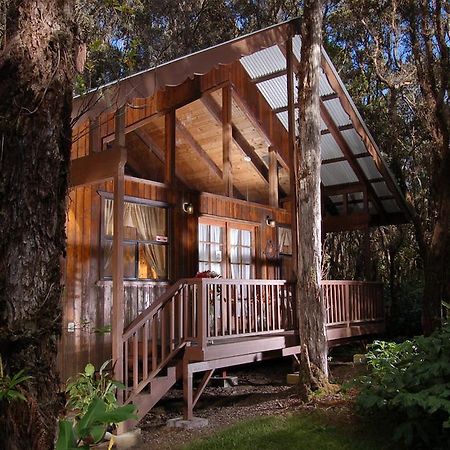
<point>85,301</point>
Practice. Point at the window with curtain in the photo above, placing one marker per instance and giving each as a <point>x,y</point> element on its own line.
<point>145,244</point>
<point>210,248</point>
<point>226,248</point>
<point>241,253</point>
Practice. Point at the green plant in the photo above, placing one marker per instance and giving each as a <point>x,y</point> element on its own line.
<point>9,385</point>
<point>92,425</point>
<point>88,385</point>
<point>410,383</point>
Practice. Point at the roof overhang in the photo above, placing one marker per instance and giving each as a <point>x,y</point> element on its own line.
<point>354,175</point>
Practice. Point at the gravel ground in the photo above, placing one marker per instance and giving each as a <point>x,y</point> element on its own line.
<point>261,391</point>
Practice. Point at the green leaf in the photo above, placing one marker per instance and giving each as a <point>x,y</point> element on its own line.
<point>89,370</point>
<point>118,415</point>
<point>91,417</point>
<point>66,436</point>
<point>97,432</point>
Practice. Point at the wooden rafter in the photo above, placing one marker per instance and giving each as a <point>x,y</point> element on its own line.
<point>226,120</point>
<point>343,158</point>
<point>238,139</point>
<point>193,144</point>
<point>169,136</point>
<point>341,128</point>
<point>153,146</point>
<point>345,149</point>
<point>360,129</point>
<point>324,98</point>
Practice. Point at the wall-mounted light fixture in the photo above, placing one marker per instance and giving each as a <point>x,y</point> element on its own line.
<point>188,208</point>
<point>270,222</point>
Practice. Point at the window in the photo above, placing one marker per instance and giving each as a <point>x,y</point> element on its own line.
<point>210,250</point>
<point>226,248</point>
<point>145,242</point>
<point>241,257</point>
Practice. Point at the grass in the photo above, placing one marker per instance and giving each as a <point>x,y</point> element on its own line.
<point>312,431</point>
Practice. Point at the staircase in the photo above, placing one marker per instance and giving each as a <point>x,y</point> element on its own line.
<point>199,325</point>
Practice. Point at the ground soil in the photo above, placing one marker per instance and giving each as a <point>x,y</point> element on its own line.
<point>262,390</point>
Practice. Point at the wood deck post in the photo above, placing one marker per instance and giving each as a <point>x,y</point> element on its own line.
<point>188,393</point>
<point>292,145</point>
<point>117,257</point>
<point>226,140</point>
<point>273,178</point>
<point>170,143</point>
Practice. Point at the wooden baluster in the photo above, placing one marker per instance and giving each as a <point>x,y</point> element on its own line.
<point>241,295</point>
<point>221,310</point>
<point>215,315</point>
<point>188,308</point>
<point>172,323</point>
<point>135,359</point>
<point>249,306</point>
<point>255,306</point>
<point>154,341</point>
<point>145,354</point>
<point>278,307</point>
<point>126,364</point>
<point>163,333</point>
<point>229,309</point>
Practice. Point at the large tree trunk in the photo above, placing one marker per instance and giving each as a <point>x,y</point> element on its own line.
<point>36,75</point>
<point>311,309</point>
<point>437,259</point>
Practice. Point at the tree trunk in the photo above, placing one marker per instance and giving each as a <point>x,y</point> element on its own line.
<point>36,75</point>
<point>311,308</point>
<point>437,260</point>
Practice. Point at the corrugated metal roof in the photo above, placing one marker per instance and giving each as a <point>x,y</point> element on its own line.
<point>337,173</point>
<point>390,206</point>
<point>337,113</point>
<point>381,189</point>
<point>264,62</point>
<point>329,147</point>
<point>275,91</point>
<point>354,141</point>
<point>369,168</point>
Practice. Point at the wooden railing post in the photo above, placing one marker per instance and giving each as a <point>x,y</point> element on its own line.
<point>117,257</point>
<point>202,314</point>
<point>347,305</point>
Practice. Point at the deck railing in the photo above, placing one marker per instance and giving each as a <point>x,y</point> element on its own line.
<point>205,311</point>
<point>247,307</point>
<point>352,302</point>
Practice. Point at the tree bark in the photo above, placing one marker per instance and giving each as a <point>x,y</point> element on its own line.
<point>36,76</point>
<point>311,308</point>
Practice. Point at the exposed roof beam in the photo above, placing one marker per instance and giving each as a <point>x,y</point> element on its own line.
<point>362,131</point>
<point>346,188</point>
<point>184,133</point>
<point>341,128</point>
<point>151,144</point>
<point>238,138</point>
<point>269,76</point>
<point>343,158</point>
<point>345,149</point>
<point>324,98</point>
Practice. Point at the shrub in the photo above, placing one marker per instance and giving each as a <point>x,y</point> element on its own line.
<point>90,384</point>
<point>409,383</point>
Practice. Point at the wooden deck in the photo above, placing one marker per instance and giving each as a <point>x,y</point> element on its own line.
<point>200,325</point>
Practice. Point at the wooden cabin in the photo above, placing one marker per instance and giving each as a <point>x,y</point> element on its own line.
<point>186,168</point>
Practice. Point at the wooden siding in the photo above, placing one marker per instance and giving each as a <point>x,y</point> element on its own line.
<point>88,299</point>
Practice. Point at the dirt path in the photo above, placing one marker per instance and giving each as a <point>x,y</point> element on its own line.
<point>262,390</point>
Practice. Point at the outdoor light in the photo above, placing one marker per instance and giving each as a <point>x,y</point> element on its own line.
<point>270,222</point>
<point>188,208</point>
<point>247,158</point>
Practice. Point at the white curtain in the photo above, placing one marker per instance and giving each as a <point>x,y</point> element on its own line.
<point>149,222</point>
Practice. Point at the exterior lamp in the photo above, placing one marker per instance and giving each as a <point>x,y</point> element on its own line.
<point>188,208</point>
<point>270,222</point>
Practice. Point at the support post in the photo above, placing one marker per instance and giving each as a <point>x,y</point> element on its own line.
<point>273,178</point>
<point>117,257</point>
<point>187,391</point>
<point>170,127</point>
<point>226,140</point>
<point>291,144</point>
<point>95,137</point>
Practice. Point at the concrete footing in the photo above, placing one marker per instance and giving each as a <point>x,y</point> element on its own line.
<point>293,378</point>
<point>179,422</point>
<point>224,382</point>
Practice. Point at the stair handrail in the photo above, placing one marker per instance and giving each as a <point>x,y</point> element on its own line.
<point>153,309</point>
